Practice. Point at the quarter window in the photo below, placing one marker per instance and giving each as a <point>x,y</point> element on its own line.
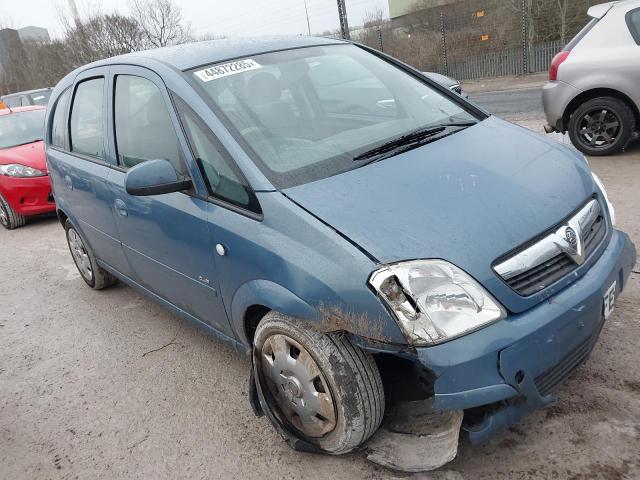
<point>223,179</point>
<point>143,127</point>
<point>59,117</point>
<point>86,118</point>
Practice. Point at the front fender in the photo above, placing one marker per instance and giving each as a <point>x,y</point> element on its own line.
<point>270,295</point>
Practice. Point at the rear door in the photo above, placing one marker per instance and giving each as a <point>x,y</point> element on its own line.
<point>80,166</point>
<point>165,238</point>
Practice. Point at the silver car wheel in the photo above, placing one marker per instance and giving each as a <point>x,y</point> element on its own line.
<point>80,255</point>
<point>298,387</point>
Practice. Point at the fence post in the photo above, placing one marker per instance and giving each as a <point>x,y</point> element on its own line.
<point>525,43</point>
<point>380,39</point>
<point>444,44</point>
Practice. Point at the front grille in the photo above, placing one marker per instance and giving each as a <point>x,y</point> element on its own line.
<point>537,278</point>
<point>557,374</point>
<point>558,263</point>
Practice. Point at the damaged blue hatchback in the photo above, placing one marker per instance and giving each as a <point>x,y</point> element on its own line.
<point>367,235</point>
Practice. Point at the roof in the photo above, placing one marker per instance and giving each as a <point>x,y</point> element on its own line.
<point>190,55</point>
<point>9,111</point>
<point>25,92</point>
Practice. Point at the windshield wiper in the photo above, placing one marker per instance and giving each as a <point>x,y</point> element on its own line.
<point>27,142</point>
<point>410,140</point>
<point>401,141</point>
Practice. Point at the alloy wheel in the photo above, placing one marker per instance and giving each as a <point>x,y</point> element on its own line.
<point>80,255</point>
<point>297,386</point>
<point>599,128</point>
<point>4,218</point>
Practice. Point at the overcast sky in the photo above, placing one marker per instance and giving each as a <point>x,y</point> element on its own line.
<point>219,17</point>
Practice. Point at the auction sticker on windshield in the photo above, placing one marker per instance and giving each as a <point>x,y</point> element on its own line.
<point>226,69</point>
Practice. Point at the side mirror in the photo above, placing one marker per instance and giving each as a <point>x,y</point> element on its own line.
<point>154,177</point>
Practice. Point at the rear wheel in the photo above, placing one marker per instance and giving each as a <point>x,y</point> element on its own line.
<point>85,261</point>
<point>601,126</point>
<point>9,219</point>
<point>322,388</point>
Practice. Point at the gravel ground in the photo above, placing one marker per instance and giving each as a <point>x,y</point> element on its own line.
<point>109,385</point>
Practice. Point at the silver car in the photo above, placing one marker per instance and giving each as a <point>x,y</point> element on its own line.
<point>593,91</point>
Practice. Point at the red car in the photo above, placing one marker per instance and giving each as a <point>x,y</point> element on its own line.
<point>25,189</point>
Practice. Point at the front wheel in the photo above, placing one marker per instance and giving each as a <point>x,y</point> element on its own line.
<point>601,126</point>
<point>9,219</point>
<point>321,387</point>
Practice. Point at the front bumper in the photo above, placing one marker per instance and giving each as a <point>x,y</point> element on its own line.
<point>522,358</point>
<point>556,96</point>
<point>28,196</point>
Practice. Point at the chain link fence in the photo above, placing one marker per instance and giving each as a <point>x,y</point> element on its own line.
<point>474,39</point>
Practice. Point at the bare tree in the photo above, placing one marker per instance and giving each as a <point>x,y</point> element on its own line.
<point>160,22</point>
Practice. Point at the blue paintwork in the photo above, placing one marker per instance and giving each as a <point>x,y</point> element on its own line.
<point>469,198</point>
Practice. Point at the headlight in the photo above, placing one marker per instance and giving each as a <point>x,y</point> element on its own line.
<point>434,301</point>
<point>612,211</point>
<point>22,171</point>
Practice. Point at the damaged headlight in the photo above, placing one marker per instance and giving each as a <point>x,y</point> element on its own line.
<point>612,211</point>
<point>434,301</point>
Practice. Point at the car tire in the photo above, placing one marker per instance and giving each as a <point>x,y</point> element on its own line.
<point>347,383</point>
<point>9,219</point>
<point>93,275</point>
<point>601,126</point>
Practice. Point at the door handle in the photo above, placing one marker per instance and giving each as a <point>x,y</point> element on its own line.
<point>121,208</point>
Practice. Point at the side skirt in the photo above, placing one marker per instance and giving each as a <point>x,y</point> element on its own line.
<point>205,327</point>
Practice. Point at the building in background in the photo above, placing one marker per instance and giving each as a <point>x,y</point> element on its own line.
<point>9,43</point>
<point>13,55</point>
<point>34,33</point>
<point>403,12</point>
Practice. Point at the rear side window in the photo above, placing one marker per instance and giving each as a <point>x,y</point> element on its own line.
<point>581,34</point>
<point>143,127</point>
<point>59,120</point>
<point>86,118</point>
<point>633,21</point>
<point>223,178</point>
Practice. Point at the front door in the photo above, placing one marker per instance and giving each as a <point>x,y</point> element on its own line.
<point>165,237</point>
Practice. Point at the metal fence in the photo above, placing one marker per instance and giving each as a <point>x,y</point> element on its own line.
<point>474,39</point>
<point>503,63</point>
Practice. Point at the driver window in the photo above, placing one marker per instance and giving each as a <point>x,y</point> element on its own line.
<point>222,179</point>
<point>143,127</point>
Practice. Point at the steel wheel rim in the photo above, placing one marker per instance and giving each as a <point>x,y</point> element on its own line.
<point>599,128</point>
<point>80,255</point>
<point>297,386</point>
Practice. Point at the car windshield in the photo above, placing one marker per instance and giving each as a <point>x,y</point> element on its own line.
<point>20,128</point>
<point>305,114</point>
<point>40,98</point>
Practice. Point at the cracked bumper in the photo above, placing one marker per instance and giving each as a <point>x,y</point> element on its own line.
<point>521,359</point>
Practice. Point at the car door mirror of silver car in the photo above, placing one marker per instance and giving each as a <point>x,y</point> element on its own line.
<point>155,177</point>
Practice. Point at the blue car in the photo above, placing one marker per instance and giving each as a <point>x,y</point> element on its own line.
<point>365,234</point>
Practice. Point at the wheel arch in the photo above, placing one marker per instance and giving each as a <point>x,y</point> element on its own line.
<point>256,298</point>
<point>62,217</point>
<point>595,93</point>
